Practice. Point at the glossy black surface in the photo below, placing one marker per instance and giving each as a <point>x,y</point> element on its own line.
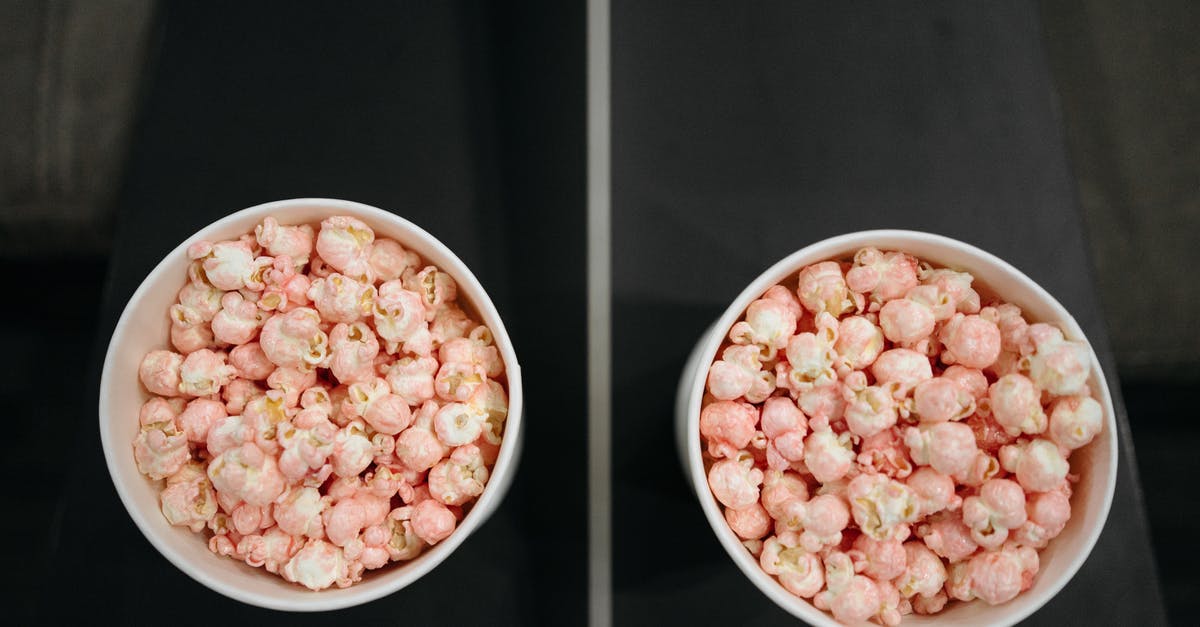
<point>740,133</point>
<point>745,131</point>
<point>433,112</point>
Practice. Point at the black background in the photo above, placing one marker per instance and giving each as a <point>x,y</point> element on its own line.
<point>744,132</point>
<point>739,135</point>
<point>439,113</point>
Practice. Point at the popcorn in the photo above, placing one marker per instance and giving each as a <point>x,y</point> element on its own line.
<point>385,412</point>
<point>238,321</point>
<point>345,244</point>
<point>296,242</point>
<point>999,507</point>
<point>906,321</point>
<point>924,574</point>
<point>989,435</point>
<point>435,287</point>
<point>970,379</point>
<point>160,449</point>
<point>247,473</point>
<point>942,399</point>
<point>159,372</point>
<point>399,318</point>
<point>869,411</point>
<point>954,286</point>
<point>851,598</point>
<point>822,288</point>
<point>750,523</point>
<point>271,550</point>
<point>457,381</point>
<point>933,490</point>
<point>352,450</point>
<point>739,373</point>
<point>886,276</point>
<point>1047,516</point>
<point>884,453</point>
<point>779,488</point>
<point>946,535</point>
<point>995,576</point>
<point>203,373</point>
<point>822,403</point>
<point>288,449</point>
<point>768,325</point>
<point>947,446</point>
<point>972,341</point>
<point>189,500</point>
<point>881,560</point>
<point>227,434</point>
<point>251,362</point>
<point>822,519</point>
<point>828,456</point>
<point>284,289</point>
<point>449,323</point>
<point>1075,421</point>
<point>291,383</point>
<point>1057,366</point>
<point>460,478</point>
<point>295,339</point>
<point>906,407</point>
<point>349,516</point>
<point>859,343</point>
<point>729,426</point>
<point>882,507</point>
<point>199,416</point>
<point>316,566</point>
<point>901,366</point>
<point>403,543</point>
<point>934,299</point>
<point>412,379</point>
<point>1012,326</point>
<point>798,570</point>
<point>779,416</point>
<point>263,414</point>
<point>248,519</point>
<point>1016,405</point>
<point>476,352</point>
<point>458,423</point>
<point>299,512</point>
<point>198,303</point>
<point>811,355</point>
<point>929,605</point>
<point>188,338</point>
<point>417,447</point>
<point>341,299</point>
<point>734,481</point>
<point>1038,464</point>
<point>389,260</point>
<point>307,441</point>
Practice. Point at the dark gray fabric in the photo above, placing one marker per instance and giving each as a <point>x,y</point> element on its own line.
<point>432,111</point>
<point>70,74</point>
<point>745,131</point>
<point>1128,75</point>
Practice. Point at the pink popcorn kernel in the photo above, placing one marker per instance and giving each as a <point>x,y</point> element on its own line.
<point>299,412</point>
<point>932,433</point>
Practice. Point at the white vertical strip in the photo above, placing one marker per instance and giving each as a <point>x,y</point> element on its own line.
<point>599,319</point>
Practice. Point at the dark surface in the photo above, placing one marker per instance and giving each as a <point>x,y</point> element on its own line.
<point>743,133</point>
<point>1127,78</point>
<point>434,113</point>
<point>722,120</point>
<point>1162,417</point>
